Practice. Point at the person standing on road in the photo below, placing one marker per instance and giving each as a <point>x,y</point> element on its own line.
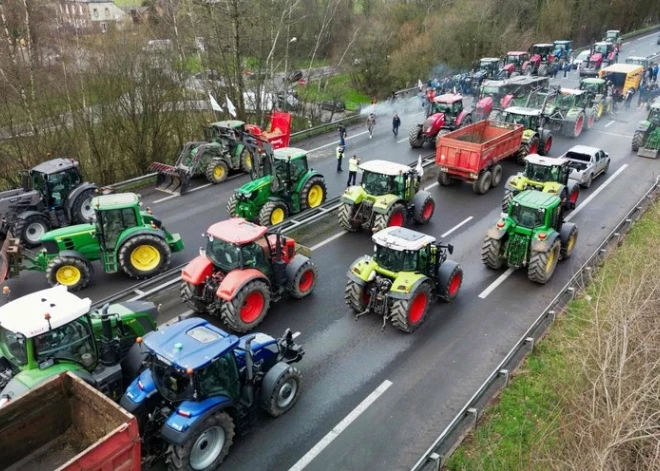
<point>629,97</point>
<point>340,157</point>
<point>642,94</point>
<point>371,122</point>
<point>352,170</point>
<point>342,135</point>
<point>655,72</point>
<point>396,122</point>
<point>564,65</point>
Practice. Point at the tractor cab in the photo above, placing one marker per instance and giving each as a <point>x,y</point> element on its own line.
<point>595,86</point>
<point>54,179</point>
<point>533,210</point>
<point>569,98</point>
<point>654,114</point>
<point>529,118</point>
<point>543,51</point>
<point>489,65</point>
<point>544,169</point>
<point>613,36</point>
<point>116,214</point>
<point>217,130</point>
<point>639,60</point>
<point>517,58</point>
<point>449,104</point>
<point>381,177</point>
<point>563,49</point>
<point>289,166</point>
<point>604,48</point>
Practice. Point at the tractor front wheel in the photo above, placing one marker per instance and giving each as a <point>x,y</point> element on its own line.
<point>30,229</point>
<point>409,314</point>
<point>248,308</point>
<point>506,201</point>
<point>82,211</point>
<point>451,278</point>
<point>72,272</point>
<point>190,295</point>
<point>272,213</point>
<point>568,237</point>
<point>144,256</point>
<point>492,251</point>
<point>356,296</point>
<point>206,448</point>
<point>313,193</point>
<point>284,394</point>
<point>304,280</point>
<point>415,138</point>
<point>216,171</point>
<point>247,162</point>
<point>346,215</point>
<point>231,205</point>
<point>542,265</point>
<point>424,207</point>
<point>396,216</point>
<point>637,141</point>
<point>544,147</point>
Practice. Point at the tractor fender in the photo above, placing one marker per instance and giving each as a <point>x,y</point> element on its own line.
<point>461,116</point>
<point>293,266</point>
<point>352,195</point>
<point>544,245</point>
<point>197,270</point>
<point>433,124</point>
<point>76,254</point>
<point>643,126</point>
<point>402,280</point>
<point>135,395</point>
<point>303,181</point>
<point>496,232</point>
<point>235,280</point>
<point>27,214</point>
<point>128,234</point>
<point>528,135</point>
<point>524,66</point>
<point>545,135</point>
<point>361,270</point>
<point>385,202</point>
<point>270,380</point>
<point>485,105</point>
<point>514,183</point>
<point>68,204</point>
<point>178,428</point>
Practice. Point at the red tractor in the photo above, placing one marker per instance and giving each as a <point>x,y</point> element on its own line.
<point>541,59</point>
<point>445,114</point>
<point>243,269</point>
<point>515,63</point>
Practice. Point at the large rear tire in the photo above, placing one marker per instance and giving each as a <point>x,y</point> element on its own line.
<point>313,193</point>
<point>637,141</point>
<point>72,272</point>
<point>356,296</point>
<point>531,147</point>
<point>144,255</point>
<point>29,230</point>
<point>231,205</point>
<point>415,138</point>
<point>542,265</point>
<point>272,213</point>
<point>491,253</point>
<point>396,216</point>
<point>248,308</point>
<point>82,211</point>
<point>206,448</point>
<point>408,314</point>
<point>578,126</point>
<point>216,171</point>
<point>346,215</point>
<point>189,295</point>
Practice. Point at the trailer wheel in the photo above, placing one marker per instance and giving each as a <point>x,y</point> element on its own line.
<point>206,447</point>
<point>30,229</point>
<point>444,179</point>
<point>483,183</point>
<point>82,211</point>
<point>216,171</point>
<point>72,272</point>
<point>144,255</point>
<point>497,175</point>
<point>248,308</point>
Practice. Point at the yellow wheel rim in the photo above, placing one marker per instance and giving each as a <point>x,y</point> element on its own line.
<point>68,275</point>
<point>600,110</point>
<point>571,243</point>
<point>551,261</point>
<point>145,258</point>
<point>315,196</point>
<point>277,216</point>
<point>218,172</point>
<point>248,160</point>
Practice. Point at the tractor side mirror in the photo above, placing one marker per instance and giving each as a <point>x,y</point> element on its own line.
<point>450,249</point>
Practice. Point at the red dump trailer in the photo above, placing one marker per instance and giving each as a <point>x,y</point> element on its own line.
<point>67,425</point>
<point>472,153</point>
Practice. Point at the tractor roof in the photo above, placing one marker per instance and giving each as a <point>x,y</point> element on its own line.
<point>55,166</point>
<point>563,41</point>
<point>448,98</point>
<point>545,161</point>
<point>116,201</point>
<point>191,343</point>
<point>232,123</point>
<point>536,199</point>
<point>384,167</point>
<point>602,43</point>
<point>543,45</point>
<point>615,31</point>
<point>521,110</point>
<point>27,315</point>
<point>289,152</point>
<point>597,81</point>
<point>516,53</point>
<point>236,231</point>
<point>490,59</point>
<point>572,91</point>
<point>400,238</point>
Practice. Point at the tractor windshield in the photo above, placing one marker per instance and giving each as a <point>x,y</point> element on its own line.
<point>395,260</point>
<point>377,184</point>
<point>528,217</point>
<point>172,383</point>
<point>542,173</point>
<point>515,60</point>
<point>224,255</point>
<point>542,50</point>
<point>602,48</point>
<point>654,116</point>
<point>60,185</point>
<point>73,342</point>
<point>521,119</point>
<point>13,347</point>
<point>590,87</point>
<point>490,90</point>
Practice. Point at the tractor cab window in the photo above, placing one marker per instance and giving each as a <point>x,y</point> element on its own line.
<point>172,383</point>
<point>567,101</point>
<point>378,184</point>
<point>519,119</point>
<point>73,342</point>
<point>254,256</point>
<point>515,60</point>
<point>542,173</point>
<point>220,377</point>
<point>490,90</point>
<point>457,107</point>
<point>654,116</point>
<point>224,255</point>
<point>111,223</point>
<point>13,347</point>
<point>396,260</point>
<point>602,48</point>
<point>442,108</point>
<point>527,217</point>
<point>60,185</point>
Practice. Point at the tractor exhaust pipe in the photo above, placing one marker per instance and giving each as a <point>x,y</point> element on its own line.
<point>109,354</point>
<point>249,370</point>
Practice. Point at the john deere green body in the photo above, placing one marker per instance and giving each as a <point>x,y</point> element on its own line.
<point>403,282</point>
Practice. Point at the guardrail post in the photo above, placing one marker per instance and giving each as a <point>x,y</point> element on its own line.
<point>434,462</point>
<point>530,341</point>
<point>553,313</point>
<point>506,375</point>
<point>475,412</point>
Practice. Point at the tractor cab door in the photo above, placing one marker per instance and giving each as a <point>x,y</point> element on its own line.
<point>258,255</point>
<point>60,184</point>
<point>411,186</point>
<point>220,378</point>
<point>110,224</point>
<point>564,172</point>
<point>556,218</point>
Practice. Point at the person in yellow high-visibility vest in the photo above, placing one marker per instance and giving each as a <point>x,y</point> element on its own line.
<point>352,170</point>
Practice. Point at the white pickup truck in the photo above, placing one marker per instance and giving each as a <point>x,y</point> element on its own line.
<point>586,163</point>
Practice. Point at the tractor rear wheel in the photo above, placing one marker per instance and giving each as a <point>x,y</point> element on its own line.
<point>72,272</point>
<point>492,251</point>
<point>543,70</point>
<point>216,171</point>
<point>578,126</point>
<point>231,205</point>
<point>248,308</point>
<point>313,193</point>
<point>206,448</point>
<point>637,141</point>
<point>408,314</point>
<point>497,175</point>
<point>506,201</point>
<point>396,216</point>
<point>424,208</point>
<point>346,215</point>
<point>285,393</point>
<point>30,229</point>
<point>568,237</point>
<point>190,295</point>
<point>483,183</point>
<point>544,147</point>
<point>542,265</point>
<point>444,179</point>
<point>272,213</point>
<point>247,162</point>
<point>415,138</point>
<point>144,256</point>
<point>82,211</point>
<point>450,280</point>
<point>304,280</point>
<point>356,296</point>
<point>591,120</point>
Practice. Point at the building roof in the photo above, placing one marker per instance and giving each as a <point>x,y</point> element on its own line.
<point>236,231</point>
<point>521,110</point>
<point>289,152</point>
<point>27,315</point>
<point>545,161</point>
<point>536,199</point>
<point>384,167</point>
<point>55,165</point>
<point>116,201</point>
<point>191,343</point>
<point>400,238</point>
<point>448,98</point>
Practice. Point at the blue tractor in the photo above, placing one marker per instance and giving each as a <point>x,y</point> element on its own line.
<point>201,384</point>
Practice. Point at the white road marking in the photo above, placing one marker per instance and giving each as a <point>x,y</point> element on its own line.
<point>457,226</point>
<point>327,241</point>
<point>402,140</point>
<point>200,187</point>
<point>612,133</point>
<point>580,207</point>
<point>432,185</point>
<point>609,124</point>
<point>164,199</point>
<point>340,427</point>
<point>648,36</point>
<point>336,143</point>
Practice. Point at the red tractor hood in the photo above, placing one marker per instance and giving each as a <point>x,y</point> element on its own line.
<point>509,68</point>
<point>433,124</point>
<point>596,57</point>
<point>485,106</point>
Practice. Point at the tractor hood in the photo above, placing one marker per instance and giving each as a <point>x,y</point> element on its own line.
<point>485,105</point>
<point>254,185</point>
<point>25,380</point>
<point>357,194</point>
<point>264,347</point>
<point>433,123</point>
<point>402,282</point>
<point>70,231</point>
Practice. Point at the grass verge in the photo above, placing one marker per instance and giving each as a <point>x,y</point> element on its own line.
<point>586,398</point>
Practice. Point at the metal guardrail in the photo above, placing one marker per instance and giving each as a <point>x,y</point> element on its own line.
<point>168,279</point>
<point>467,418</point>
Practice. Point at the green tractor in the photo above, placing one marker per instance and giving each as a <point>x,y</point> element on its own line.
<point>597,98</point>
<point>570,111</point>
<point>537,138</point>
<point>123,237</point>
<point>546,174</point>
<point>532,234</point>
<point>388,196</point>
<point>282,184</point>
<point>52,331</point>
<point>407,271</point>
<point>646,140</point>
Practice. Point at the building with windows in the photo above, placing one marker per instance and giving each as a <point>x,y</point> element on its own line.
<point>95,15</point>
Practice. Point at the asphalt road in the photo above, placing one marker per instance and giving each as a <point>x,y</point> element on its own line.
<point>377,400</point>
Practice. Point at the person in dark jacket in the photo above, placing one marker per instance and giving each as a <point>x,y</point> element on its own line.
<point>342,135</point>
<point>396,122</point>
